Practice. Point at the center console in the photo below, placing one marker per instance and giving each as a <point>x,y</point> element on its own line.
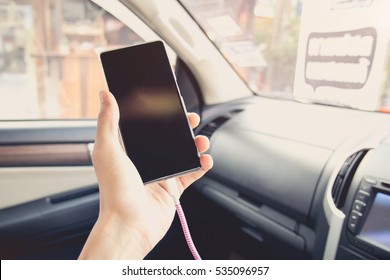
<point>366,229</point>
<point>368,220</point>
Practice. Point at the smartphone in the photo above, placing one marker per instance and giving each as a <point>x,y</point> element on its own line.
<point>153,124</point>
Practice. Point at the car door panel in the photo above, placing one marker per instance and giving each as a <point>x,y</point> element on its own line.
<point>49,196</point>
<point>44,155</point>
<point>21,185</point>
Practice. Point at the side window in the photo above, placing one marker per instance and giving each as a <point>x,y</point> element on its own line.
<point>49,68</point>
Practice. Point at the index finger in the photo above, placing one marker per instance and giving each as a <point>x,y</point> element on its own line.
<point>193,119</point>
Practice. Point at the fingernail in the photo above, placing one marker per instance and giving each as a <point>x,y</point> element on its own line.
<point>102,95</point>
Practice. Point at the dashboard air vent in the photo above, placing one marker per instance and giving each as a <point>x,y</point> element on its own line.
<point>209,129</point>
<point>212,126</point>
<point>344,178</point>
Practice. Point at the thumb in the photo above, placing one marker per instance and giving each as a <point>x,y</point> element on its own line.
<point>107,139</point>
<point>107,122</point>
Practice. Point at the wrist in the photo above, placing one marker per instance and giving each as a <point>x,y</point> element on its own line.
<point>111,239</point>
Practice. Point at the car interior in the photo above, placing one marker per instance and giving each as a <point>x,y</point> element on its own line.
<point>293,177</point>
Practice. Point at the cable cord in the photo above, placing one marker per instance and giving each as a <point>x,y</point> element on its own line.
<point>186,232</point>
<point>173,191</point>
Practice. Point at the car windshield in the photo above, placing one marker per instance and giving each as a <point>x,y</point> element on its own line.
<point>332,52</point>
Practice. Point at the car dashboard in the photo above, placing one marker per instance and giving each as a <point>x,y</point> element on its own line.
<point>288,182</point>
<point>296,178</point>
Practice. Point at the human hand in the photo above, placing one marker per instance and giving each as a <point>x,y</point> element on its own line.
<point>133,218</point>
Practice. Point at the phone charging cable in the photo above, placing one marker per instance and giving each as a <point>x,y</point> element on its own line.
<point>174,192</point>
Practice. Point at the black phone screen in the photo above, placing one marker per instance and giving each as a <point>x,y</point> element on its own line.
<point>153,124</point>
